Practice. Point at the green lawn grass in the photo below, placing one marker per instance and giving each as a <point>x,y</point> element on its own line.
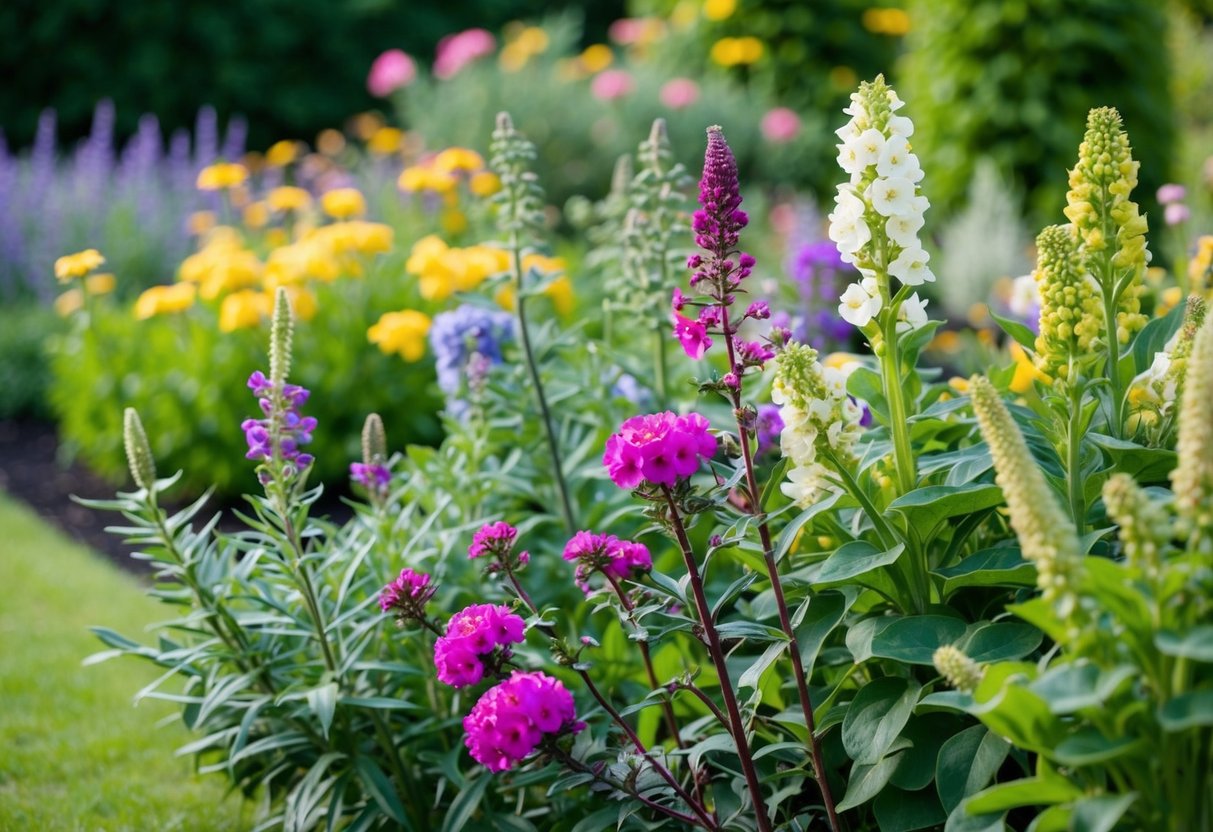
<point>74,753</point>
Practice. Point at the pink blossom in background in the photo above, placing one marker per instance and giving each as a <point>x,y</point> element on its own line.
<point>1176,213</point>
<point>611,84</point>
<point>627,30</point>
<point>1172,192</point>
<point>460,49</point>
<point>390,71</point>
<point>679,93</point>
<point>780,125</point>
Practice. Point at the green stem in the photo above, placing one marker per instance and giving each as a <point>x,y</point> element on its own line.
<point>659,366</point>
<point>566,505</point>
<point>899,427</point>
<point>1078,505</point>
<point>399,770</point>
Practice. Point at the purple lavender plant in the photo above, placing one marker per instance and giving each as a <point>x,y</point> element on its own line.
<point>277,439</point>
<point>820,276</point>
<point>455,337</point>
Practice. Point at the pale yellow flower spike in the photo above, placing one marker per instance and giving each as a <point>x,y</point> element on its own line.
<point>1192,479</point>
<point>1070,318</point>
<point>962,673</point>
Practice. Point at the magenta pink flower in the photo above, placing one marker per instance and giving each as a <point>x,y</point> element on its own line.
<point>511,719</point>
<point>679,93</point>
<point>611,84</point>
<point>460,49</point>
<point>607,554</point>
<point>692,335</point>
<point>493,538</point>
<point>780,125</point>
<point>472,633</point>
<point>659,448</point>
<point>407,594</point>
<point>389,72</point>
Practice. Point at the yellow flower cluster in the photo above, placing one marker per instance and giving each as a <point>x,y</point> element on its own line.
<point>222,176</point>
<point>343,203</point>
<point>161,300</point>
<point>730,52</point>
<point>222,265</point>
<point>595,58</point>
<point>443,270</point>
<point>72,266</point>
<point>1200,267</point>
<point>402,333</point>
<point>327,252</point>
<point>443,172</point>
<point>1192,479</point>
<point>522,44</point>
<point>892,22</point>
<point>1098,199</point>
<point>1070,317</point>
<point>717,10</point>
<point>72,300</point>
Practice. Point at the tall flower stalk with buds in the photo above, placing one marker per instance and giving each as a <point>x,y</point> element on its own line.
<point>875,223</point>
<point>519,213</point>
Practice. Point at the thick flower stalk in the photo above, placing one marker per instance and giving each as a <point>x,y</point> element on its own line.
<point>1155,393</point>
<point>477,641</point>
<point>1070,317</point>
<point>878,214</point>
<point>138,451</point>
<point>511,719</point>
<point>373,472</point>
<point>1112,237</point>
<point>961,672</point>
<point>820,421</point>
<point>1192,479</point>
<point>1047,537</point>
<point>1144,525</point>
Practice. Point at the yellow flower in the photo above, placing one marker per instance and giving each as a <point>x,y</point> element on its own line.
<point>458,159</point>
<point>77,265</point>
<point>425,254</point>
<point>343,203</point>
<point>1169,300</point>
<point>385,141</point>
<point>728,52</point>
<point>365,124</point>
<point>453,221</point>
<point>485,183</point>
<point>369,237</point>
<point>281,154</point>
<point>330,142</point>
<point>960,385</point>
<point>69,302</point>
<point>222,176</point>
<point>717,10</point>
<point>894,22</point>
<point>288,198</point>
<point>256,215</point>
<point>560,291</point>
<point>422,178</point>
<point>99,284</point>
<point>1025,370</point>
<point>596,58</point>
<point>160,300</point>
<point>200,222</point>
<point>244,309</point>
<point>401,332</point>
<point>946,340</point>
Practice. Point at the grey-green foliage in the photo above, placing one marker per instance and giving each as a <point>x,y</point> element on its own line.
<point>1012,80</point>
<point>982,243</point>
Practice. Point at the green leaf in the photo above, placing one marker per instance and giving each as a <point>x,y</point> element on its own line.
<point>1144,464</point>
<point>465,804</point>
<point>600,820</point>
<point>1071,687</point>
<point>1002,566</point>
<point>927,732</point>
<point>898,810</point>
<point>787,537</point>
<point>824,614</point>
<point>1187,711</point>
<point>924,508</point>
<point>1196,644</point>
<point>962,466</point>
<point>1019,715</point>
<point>1020,332</point>
<point>379,787</point>
<point>1088,747</point>
<point>914,639</point>
<point>1101,813</point>
<point>1154,336</point>
<point>876,716</point>
<point>966,763</point>
<point>853,559</point>
<point>323,702</point>
<point>377,703</point>
<point>961,821</point>
<point>1001,641</point>
<point>866,781</point>
<point>1031,791</point>
<point>753,674</point>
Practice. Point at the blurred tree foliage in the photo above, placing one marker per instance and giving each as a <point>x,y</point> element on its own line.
<point>293,67</point>
<point>1012,80</point>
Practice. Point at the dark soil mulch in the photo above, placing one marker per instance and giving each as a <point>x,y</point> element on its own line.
<point>31,471</point>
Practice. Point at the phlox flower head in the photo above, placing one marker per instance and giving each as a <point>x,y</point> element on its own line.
<point>407,595</point>
<point>612,84</point>
<point>460,49</point>
<point>472,634</point>
<point>510,720</point>
<point>780,125</point>
<point>659,449</point>
<point>493,538</point>
<point>605,553</point>
<point>390,71</point>
<point>679,93</point>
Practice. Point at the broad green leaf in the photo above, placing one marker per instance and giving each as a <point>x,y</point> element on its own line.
<point>852,560</point>
<point>1101,813</point>
<point>876,716</point>
<point>1146,465</point>
<point>866,781</point>
<point>914,639</point>
<point>1020,332</point>
<point>924,508</point>
<point>823,615</point>
<point>465,804</point>
<point>1154,336</point>
<point>927,732</point>
<point>381,790</point>
<point>1001,641</point>
<point>1021,716</point>
<point>1090,747</point>
<point>753,674</point>
<point>1031,791</point>
<point>1053,819</point>
<point>861,635</point>
<point>323,702</point>
<point>1002,566</point>
<point>1196,644</point>
<point>787,537</point>
<point>898,810</point>
<point>597,822</point>
<point>961,821</point>
<point>966,763</point>
<point>1187,711</point>
<point>1071,687</point>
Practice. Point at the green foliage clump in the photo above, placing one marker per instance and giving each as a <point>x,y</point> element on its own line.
<point>24,369</point>
<point>1012,81</point>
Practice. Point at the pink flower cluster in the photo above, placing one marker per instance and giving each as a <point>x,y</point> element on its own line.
<point>658,448</point>
<point>390,71</point>
<point>474,632</point>
<point>407,595</point>
<point>607,554</point>
<point>493,538</point>
<point>510,719</point>
<point>612,84</point>
<point>456,51</point>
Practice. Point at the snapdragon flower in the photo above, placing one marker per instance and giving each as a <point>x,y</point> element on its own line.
<point>607,554</point>
<point>474,633</point>
<point>280,435</point>
<point>880,210</point>
<point>660,449</point>
<point>509,721</point>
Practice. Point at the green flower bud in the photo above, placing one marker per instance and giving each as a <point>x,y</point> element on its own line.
<point>1192,479</point>
<point>1194,318</point>
<point>281,331</point>
<point>1070,319</point>
<point>374,441</point>
<point>138,452</point>
<point>1046,534</point>
<point>1144,527</point>
<point>962,673</point>
<point>878,101</point>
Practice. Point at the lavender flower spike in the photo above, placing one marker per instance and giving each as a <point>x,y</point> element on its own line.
<point>718,223</point>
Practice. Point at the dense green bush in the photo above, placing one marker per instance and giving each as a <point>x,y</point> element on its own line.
<point>1012,80</point>
<point>24,370</point>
